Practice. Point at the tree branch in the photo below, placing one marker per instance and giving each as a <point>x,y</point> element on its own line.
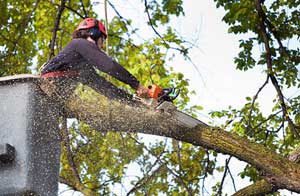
<point>265,38</point>
<point>252,106</point>
<point>66,142</point>
<point>56,27</point>
<point>262,187</point>
<point>104,113</point>
<point>219,193</point>
<point>83,8</point>
<point>259,188</point>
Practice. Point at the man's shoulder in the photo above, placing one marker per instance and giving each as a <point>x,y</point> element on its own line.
<point>78,41</point>
<point>81,43</point>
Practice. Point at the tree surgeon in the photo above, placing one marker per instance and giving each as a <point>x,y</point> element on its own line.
<point>78,61</point>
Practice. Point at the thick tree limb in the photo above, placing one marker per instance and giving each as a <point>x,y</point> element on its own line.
<point>259,188</point>
<point>263,187</point>
<point>102,113</point>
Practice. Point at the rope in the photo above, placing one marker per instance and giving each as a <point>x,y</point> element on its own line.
<point>106,24</point>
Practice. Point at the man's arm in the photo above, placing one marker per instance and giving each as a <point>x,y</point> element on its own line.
<point>104,63</point>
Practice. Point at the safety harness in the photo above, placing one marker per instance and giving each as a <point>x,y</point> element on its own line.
<point>60,73</point>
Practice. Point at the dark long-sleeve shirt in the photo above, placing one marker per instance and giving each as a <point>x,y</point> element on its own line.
<point>80,51</point>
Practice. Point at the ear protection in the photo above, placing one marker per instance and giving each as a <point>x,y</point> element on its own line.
<point>95,33</point>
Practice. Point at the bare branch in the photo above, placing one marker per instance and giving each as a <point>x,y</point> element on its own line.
<point>252,105</point>
<point>56,27</point>
<point>219,193</point>
<point>232,179</point>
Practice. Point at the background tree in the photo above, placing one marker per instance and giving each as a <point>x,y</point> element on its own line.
<point>94,162</point>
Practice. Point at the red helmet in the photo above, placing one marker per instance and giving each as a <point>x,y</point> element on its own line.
<point>90,23</point>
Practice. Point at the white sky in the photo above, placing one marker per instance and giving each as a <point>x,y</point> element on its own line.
<point>223,85</point>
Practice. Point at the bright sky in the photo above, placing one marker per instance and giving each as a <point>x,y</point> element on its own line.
<point>219,84</point>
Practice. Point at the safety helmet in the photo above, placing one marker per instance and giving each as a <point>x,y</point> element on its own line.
<point>95,26</point>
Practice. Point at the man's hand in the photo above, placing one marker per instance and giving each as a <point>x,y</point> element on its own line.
<point>142,91</point>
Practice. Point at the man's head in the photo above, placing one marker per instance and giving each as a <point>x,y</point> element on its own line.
<point>91,27</point>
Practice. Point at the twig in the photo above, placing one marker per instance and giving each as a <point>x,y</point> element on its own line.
<point>252,105</point>
<point>232,179</point>
<point>205,172</point>
<point>224,176</point>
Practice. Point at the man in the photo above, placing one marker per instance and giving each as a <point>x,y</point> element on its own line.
<point>78,60</point>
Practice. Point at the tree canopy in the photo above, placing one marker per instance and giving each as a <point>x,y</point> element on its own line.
<point>94,162</point>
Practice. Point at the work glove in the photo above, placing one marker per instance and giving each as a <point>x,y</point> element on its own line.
<point>142,91</point>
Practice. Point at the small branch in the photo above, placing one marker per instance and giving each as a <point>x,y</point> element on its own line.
<point>56,27</point>
<point>205,172</point>
<point>282,49</point>
<point>72,10</point>
<point>66,142</point>
<point>232,179</point>
<point>77,13</point>
<point>83,8</point>
<point>219,193</point>
<point>266,120</point>
<point>114,8</point>
<point>144,181</point>
<point>252,105</point>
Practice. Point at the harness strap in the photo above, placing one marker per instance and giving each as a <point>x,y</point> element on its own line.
<point>60,73</point>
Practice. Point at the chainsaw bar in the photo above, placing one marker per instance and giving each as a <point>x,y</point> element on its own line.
<point>185,119</point>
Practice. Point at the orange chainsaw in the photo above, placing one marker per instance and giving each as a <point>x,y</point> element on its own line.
<point>163,94</point>
<point>161,99</point>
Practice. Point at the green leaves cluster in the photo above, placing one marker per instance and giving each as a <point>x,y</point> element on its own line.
<point>162,11</point>
<point>16,35</point>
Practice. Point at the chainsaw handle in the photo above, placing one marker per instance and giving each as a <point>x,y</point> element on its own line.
<point>166,95</point>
